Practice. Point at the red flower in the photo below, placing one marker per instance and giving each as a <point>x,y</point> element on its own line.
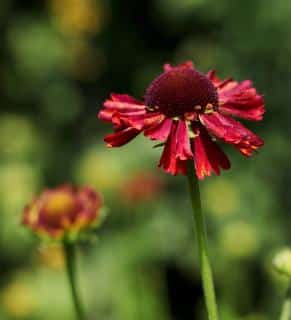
<point>64,211</point>
<point>187,111</point>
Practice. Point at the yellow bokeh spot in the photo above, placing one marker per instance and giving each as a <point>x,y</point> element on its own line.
<point>52,257</point>
<point>19,182</point>
<point>100,170</point>
<point>239,239</point>
<point>27,141</point>
<point>78,17</point>
<point>18,300</point>
<point>221,198</point>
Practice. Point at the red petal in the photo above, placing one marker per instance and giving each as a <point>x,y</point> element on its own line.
<point>216,81</point>
<point>183,148</point>
<point>238,99</point>
<point>177,149</point>
<point>125,98</point>
<point>232,132</point>
<point>121,137</point>
<point>161,131</point>
<point>119,110</point>
<point>128,119</point>
<point>145,121</point>
<point>186,64</point>
<point>105,115</point>
<point>241,100</point>
<point>208,156</point>
<point>122,105</point>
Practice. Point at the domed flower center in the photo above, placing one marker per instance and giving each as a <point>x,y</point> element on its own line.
<point>60,203</point>
<point>181,90</point>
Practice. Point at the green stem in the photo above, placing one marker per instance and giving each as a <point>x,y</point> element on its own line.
<point>286,309</point>
<point>206,272</point>
<point>70,257</point>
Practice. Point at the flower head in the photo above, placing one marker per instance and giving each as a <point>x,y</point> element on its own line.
<point>63,212</point>
<point>187,111</point>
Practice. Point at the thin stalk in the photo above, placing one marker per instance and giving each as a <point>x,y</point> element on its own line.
<point>206,272</point>
<point>286,309</point>
<point>70,257</point>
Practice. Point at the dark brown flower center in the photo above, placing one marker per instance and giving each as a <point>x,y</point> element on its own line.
<point>181,90</point>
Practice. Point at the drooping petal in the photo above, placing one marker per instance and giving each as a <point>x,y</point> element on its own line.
<point>120,110</point>
<point>239,99</point>
<point>125,98</point>
<point>121,137</point>
<point>177,149</point>
<point>145,121</point>
<point>168,154</point>
<point>208,157</point>
<point>105,115</point>
<point>121,105</point>
<point>232,132</point>
<point>183,148</point>
<point>134,119</point>
<point>161,131</point>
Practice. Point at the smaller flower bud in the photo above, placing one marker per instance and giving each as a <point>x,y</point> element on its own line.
<point>282,262</point>
<point>64,212</point>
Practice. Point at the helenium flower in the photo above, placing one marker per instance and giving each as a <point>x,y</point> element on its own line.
<point>187,111</point>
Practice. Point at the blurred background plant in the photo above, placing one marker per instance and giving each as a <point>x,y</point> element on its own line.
<point>59,60</point>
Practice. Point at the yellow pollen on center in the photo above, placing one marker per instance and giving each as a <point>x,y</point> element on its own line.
<point>59,204</point>
<point>209,108</point>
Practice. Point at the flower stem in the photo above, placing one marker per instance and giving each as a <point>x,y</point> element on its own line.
<point>70,257</point>
<point>206,272</point>
<point>286,309</point>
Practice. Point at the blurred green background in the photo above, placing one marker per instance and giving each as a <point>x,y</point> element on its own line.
<point>59,60</point>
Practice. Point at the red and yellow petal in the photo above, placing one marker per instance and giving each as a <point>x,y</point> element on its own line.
<point>120,110</point>
<point>161,131</point>
<point>208,157</point>
<point>145,121</point>
<point>232,132</point>
<point>121,137</point>
<point>121,105</point>
<point>238,99</point>
<point>177,149</point>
